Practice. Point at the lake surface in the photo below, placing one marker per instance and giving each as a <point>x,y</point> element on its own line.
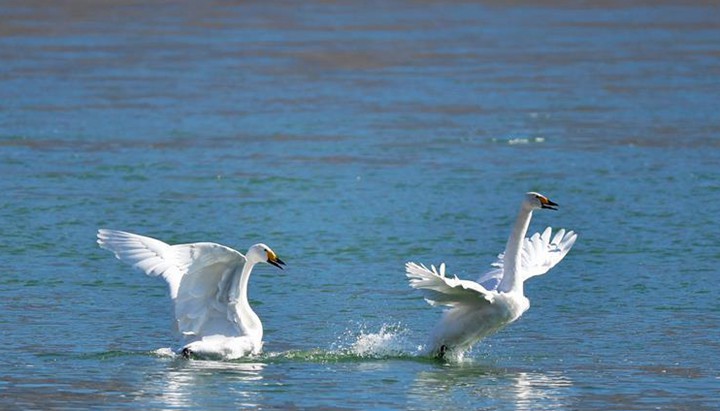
<point>352,138</point>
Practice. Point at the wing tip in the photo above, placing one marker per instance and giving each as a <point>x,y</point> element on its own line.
<point>103,234</point>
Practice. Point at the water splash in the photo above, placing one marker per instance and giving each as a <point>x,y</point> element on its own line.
<point>357,342</point>
<point>392,340</point>
<point>165,352</point>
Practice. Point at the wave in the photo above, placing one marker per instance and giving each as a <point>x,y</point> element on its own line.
<point>391,341</point>
<point>358,343</point>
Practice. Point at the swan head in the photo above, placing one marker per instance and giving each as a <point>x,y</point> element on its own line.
<point>260,253</point>
<point>534,201</point>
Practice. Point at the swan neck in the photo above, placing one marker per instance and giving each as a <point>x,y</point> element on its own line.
<point>245,318</point>
<point>512,280</point>
<point>243,285</point>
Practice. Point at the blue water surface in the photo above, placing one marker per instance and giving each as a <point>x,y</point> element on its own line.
<point>351,138</point>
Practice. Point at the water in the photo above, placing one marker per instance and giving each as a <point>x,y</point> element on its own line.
<point>351,139</point>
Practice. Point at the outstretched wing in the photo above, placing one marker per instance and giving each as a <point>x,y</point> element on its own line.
<point>441,290</point>
<point>539,254</point>
<point>200,276</point>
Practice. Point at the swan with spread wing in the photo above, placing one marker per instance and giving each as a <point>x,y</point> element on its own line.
<point>208,285</point>
<point>478,309</point>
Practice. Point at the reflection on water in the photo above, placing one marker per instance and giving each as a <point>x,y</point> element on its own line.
<point>524,390</point>
<point>542,390</point>
<point>189,384</point>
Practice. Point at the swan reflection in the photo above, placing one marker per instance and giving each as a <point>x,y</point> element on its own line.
<point>195,384</point>
<point>462,386</point>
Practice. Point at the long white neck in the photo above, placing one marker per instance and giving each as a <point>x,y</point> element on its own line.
<point>512,281</point>
<point>246,317</point>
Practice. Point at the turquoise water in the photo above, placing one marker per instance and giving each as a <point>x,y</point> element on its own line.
<point>352,139</point>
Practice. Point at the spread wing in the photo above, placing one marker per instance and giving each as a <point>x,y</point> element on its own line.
<point>201,277</point>
<point>539,254</point>
<point>441,290</point>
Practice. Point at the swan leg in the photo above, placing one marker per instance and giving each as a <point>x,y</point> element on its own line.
<point>441,352</point>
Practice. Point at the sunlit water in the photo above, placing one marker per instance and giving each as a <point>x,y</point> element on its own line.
<point>351,139</point>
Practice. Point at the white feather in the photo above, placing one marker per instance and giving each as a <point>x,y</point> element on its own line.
<point>539,254</point>
<point>204,283</point>
<point>478,309</point>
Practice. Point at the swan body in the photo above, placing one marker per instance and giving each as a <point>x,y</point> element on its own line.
<point>208,287</point>
<point>477,309</point>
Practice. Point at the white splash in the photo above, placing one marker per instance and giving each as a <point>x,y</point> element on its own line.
<point>392,340</point>
<point>165,352</point>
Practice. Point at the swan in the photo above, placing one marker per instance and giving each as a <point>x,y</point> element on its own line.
<point>478,309</point>
<point>208,285</point>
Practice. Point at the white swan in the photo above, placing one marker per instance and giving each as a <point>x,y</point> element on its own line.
<point>478,309</point>
<point>208,286</point>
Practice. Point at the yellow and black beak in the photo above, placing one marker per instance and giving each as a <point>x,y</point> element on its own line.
<point>273,259</point>
<point>546,203</point>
